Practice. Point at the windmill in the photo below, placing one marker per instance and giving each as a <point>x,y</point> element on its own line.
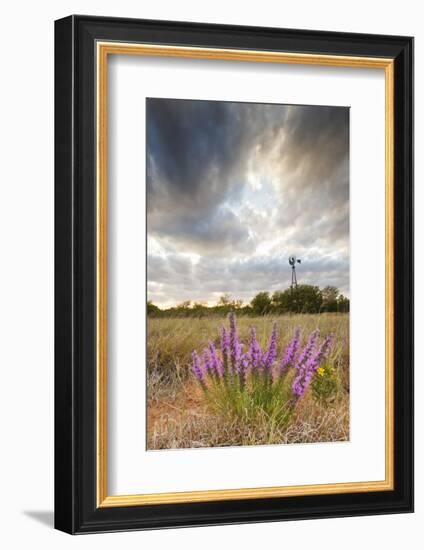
<point>293,261</point>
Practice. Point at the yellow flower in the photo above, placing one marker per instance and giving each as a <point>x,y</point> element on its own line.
<point>321,371</point>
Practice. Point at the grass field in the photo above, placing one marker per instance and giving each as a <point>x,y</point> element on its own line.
<point>177,414</point>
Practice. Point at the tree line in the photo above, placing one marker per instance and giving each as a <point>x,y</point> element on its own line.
<point>299,299</point>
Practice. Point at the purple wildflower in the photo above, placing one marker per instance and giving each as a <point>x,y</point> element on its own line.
<point>271,354</point>
<point>207,364</point>
<point>235,348</point>
<point>197,369</point>
<point>225,349</point>
<point>307,350</point>
<point>307,371</point>
<point>225,341</point>
<point>233,329</point>
<point>297,387</point>
<point>245,362</point>
<point>255,353</point>
<point>215,362</point>
<point>232,362</point>
<point>291,351</point>
<point>320,354</point>
<point>241,368</point>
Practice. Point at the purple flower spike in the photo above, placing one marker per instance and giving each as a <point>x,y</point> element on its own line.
<point>307,350</point>
<point>242,370</point>
<point>216,364</point>
<point>225,342</point>
<point>297,387</point>
<point>225,350</point>
<point>272,349</point>
<point>255,353</point>
<point>207,366</point>
<point>233,333</point>
<point>233,329</point>
<point>291,351</point>
<point>197,369</point>
<point>235,348</point>
<point>320,354</point>
<point>307,370</point>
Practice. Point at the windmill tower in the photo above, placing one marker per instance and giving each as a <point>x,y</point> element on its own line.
<point>293,261</point>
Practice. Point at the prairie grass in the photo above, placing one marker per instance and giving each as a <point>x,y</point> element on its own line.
<point>178,416</point>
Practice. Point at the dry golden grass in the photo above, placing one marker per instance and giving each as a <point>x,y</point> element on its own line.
<point>177,414</point>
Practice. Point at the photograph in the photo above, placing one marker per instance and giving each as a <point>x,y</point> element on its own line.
<point>248,267</point>
<point>233,272</point>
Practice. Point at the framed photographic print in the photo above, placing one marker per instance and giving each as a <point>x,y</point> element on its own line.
<point>234,274</point>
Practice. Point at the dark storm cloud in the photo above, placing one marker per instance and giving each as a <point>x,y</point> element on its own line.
<point>194,153</point>
<point>233,188</point>
<point>189,138</point>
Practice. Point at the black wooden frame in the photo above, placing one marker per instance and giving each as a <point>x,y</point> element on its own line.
<point>75,275</point>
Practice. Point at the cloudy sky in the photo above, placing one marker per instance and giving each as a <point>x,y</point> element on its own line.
<point>234,189</point>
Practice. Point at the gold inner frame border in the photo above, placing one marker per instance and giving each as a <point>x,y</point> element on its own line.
<point>103,50</point>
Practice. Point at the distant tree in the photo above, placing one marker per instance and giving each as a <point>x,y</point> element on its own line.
<point>343,304</point>
<point>306,299</point>
<point>246,310</point>
<point>261,303</point>
<point>226,304</point>
<point>152,310</point>
<point>299,299</point>
<point>181,310</point>
<point>199,310</point>
<point>224,300</point>
<point>281,301</point>
<point>330,296</point>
